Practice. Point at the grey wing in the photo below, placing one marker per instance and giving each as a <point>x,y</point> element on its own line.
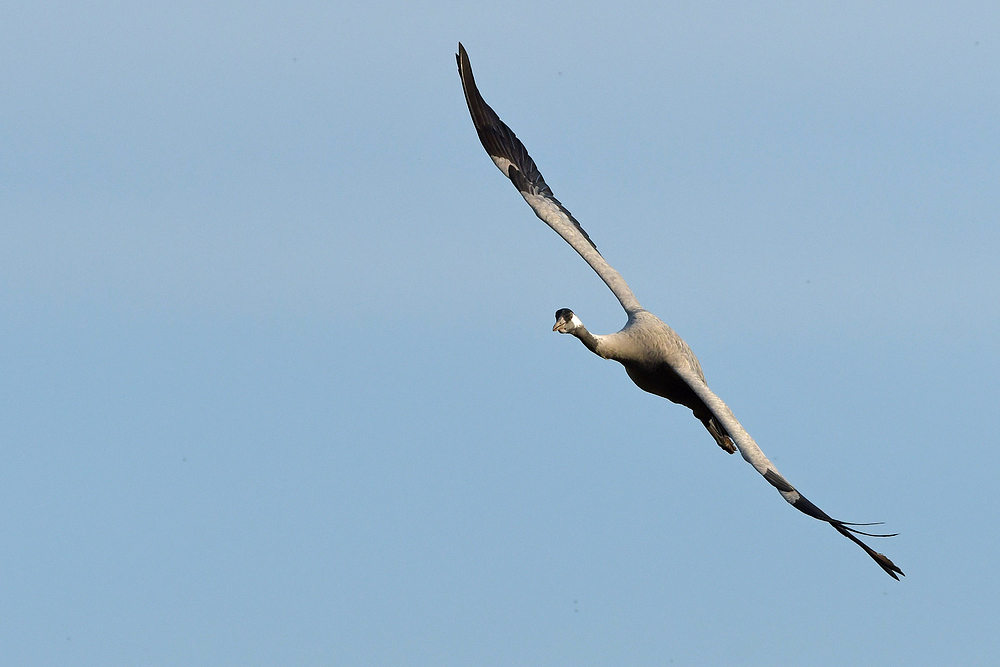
<point>753,455</point>
<point>511,157</point>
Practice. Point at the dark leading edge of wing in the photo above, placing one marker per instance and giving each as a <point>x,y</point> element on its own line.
<point>503,145</point>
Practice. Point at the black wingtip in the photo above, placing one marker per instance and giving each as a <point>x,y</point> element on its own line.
<point>890,568</point>
<point>844,528</point>
<point>501,142</point>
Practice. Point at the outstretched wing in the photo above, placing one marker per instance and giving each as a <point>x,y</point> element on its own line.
<point>511,157</point>
<point>753,455</point>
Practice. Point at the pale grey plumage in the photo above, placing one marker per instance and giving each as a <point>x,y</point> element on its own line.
<point>654,356</point>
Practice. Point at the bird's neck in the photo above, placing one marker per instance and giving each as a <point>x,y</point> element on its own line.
<point>590,340</point>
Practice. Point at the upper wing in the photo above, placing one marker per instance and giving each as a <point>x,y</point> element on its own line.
<point>510,155</point>
<point>754,456</point>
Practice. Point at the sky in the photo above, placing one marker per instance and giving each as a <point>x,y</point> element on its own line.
<point>277,377</point>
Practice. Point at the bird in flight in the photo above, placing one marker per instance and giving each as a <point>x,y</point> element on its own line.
<point>654,356</point>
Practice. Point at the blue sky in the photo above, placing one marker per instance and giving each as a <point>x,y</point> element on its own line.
<point>279,385</point>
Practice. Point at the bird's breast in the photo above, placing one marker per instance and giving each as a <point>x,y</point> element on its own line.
<point>663,381</point>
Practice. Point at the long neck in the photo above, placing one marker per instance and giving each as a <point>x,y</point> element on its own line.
<point>588,339</point>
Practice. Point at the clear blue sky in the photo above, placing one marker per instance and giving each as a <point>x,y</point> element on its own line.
<point>277,380</point>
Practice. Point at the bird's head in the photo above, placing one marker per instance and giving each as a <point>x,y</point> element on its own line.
<point>567,322</point>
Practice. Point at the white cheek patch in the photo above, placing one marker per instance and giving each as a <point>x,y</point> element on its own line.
<point>575,321</point>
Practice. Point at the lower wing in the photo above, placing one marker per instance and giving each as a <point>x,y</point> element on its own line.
<point>754,456</point>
